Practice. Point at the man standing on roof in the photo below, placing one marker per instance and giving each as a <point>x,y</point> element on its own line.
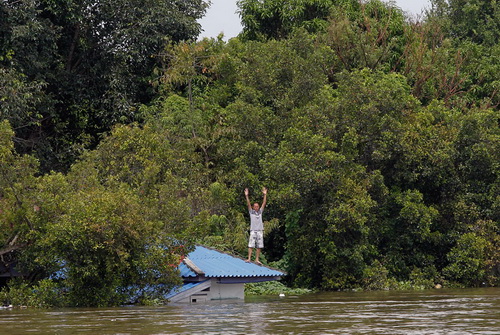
<point>256,239</point>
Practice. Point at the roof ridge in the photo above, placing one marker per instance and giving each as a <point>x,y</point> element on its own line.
<point>190,264</point>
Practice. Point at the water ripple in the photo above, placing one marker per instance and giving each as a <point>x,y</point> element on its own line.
<point>446,312</point>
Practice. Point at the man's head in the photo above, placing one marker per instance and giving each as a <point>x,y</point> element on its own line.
<point>256,207</point>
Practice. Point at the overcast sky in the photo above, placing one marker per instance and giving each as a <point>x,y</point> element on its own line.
<point>222,16</point>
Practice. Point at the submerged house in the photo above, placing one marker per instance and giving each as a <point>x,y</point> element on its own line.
<point>210,274</point>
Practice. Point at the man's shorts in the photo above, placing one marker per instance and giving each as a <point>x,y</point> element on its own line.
<point>256,239</point>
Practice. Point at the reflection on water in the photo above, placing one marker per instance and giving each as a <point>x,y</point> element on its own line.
<point>474,311</point>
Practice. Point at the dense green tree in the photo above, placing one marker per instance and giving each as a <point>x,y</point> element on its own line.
<point>476,20</point>
<point>368,34</point>
<point>98,241</point>
<point>16,180</point>
<point>467,260</point>
<point>94,60</point>
<point>22,103</point>
<point>83,233</point>
<point>277,19</point>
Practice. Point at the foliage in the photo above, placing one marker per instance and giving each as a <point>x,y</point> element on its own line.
<point>87,65</point>
<point>85,236</point>
<point>16,180</point>
<point>45,294</point>
<point>272,288</point>
<point>467,259</point>
<point>277,19</point>
<point>377,136</point>
<point>367,34</point>
<point>102,246</point>
<point>477,20</point>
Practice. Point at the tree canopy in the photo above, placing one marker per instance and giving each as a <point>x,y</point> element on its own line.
<point>84,66</point>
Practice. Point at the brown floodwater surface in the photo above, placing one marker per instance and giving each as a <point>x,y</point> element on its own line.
<point>468,311</point>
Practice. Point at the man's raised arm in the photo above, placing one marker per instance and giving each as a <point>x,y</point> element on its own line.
<point>248,200</point>
<point>264,201</point>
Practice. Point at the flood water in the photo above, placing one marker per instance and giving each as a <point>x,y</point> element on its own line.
<point>471,311</point>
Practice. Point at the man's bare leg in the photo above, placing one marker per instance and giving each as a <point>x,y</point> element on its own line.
<point>257,255</point>
<point>249,255</point>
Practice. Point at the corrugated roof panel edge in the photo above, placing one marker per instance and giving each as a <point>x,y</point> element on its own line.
<point>281,273</point>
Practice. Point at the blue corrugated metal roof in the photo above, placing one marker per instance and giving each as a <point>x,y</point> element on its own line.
<point>185,271</point>
<point>218,264</point>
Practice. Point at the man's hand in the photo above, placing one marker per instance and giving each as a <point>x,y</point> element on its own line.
<point>248,200</point>
<point>264,201</point>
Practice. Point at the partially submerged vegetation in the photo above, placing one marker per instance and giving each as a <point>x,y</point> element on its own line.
<point>275,288</point>
<point>377,136</point>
